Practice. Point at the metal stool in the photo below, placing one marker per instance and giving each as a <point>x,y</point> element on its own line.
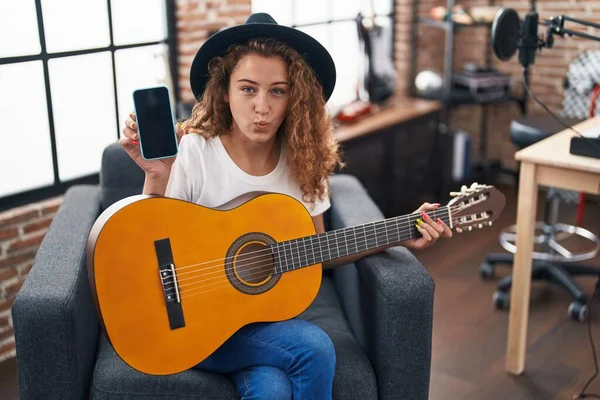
<point>553,261</point>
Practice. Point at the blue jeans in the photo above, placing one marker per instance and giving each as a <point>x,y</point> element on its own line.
<point>291,359</point>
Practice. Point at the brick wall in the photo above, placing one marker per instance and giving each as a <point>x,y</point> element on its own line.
<point>21,232</point>
<point>403,44</point>
<point>196,19</point>
<point>22,229</point>
<point>546,74</point>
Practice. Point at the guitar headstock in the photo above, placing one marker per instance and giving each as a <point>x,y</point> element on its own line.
<point>475,207</point>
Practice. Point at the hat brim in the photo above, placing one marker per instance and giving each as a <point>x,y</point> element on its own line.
<point>314,52</point>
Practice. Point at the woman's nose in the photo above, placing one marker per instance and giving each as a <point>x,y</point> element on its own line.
<point>261,104</point>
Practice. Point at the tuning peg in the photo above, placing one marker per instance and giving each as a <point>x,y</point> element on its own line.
<point>464,188</point>
<point>490,223</point>
<point>474,185</point>
<point>480,226</point>
<point>454,194</point>
<point>459,230</point>
<point>469,228</point>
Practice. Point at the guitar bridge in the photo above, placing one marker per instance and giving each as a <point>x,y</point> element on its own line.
<point>170,286</point>
<point>168,279</point>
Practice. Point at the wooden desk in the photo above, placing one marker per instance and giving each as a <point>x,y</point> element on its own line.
<point>392,151</point>
<point>395,112</point>
<point>550,164</point>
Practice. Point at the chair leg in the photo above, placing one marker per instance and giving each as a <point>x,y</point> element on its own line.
<point>559,275</point>
<point>500,258</point>
<point>505,284</point>
<point>581,269</point>
<point>537,272</point>
<point>486,269</point>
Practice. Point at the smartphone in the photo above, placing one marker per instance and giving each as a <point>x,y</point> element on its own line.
<point>156,125</point>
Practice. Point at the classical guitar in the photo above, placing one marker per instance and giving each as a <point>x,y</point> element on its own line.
<point>173,280</point>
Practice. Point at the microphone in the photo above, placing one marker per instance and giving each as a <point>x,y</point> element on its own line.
<point>509,35</point>
<point>529,39</point>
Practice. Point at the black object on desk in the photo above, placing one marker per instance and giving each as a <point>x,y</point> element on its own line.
<point>585,146</point>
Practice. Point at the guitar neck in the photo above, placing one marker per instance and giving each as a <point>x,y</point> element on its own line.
<point>310,250</point>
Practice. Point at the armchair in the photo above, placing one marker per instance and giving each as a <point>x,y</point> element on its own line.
<point>378,312</point>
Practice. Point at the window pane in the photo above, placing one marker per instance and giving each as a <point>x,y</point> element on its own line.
<point>342,9</point>
<point>280,10</point>
<point>310,11</point>
<point>138,21</point>
<point>349,62</point>
<point>18,29</point>
<point>383,7</point>
<point>25,138</point>
<point>75,24</point>
<point>84,111</point>
<point>140,67</point>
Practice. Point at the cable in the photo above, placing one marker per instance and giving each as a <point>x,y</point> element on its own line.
<point>533,96</point>
<point>582,394</point>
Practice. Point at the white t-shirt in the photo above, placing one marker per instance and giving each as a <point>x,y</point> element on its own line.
<point>205,174</point>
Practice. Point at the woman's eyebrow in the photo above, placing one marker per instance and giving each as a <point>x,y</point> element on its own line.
<point>256,83</point>
<point>247,80</point>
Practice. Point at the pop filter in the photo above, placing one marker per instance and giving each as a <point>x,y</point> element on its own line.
<point>505,33</point>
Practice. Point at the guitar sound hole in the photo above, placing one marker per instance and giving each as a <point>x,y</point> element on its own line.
<point>250,266</point>
<point>254,263</point>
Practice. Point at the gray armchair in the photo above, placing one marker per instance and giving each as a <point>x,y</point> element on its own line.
<point>378,313</point>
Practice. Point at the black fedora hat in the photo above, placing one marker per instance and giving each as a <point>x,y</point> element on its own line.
<point>263,25</point>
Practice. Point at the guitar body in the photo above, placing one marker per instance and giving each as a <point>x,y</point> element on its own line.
<point>222,286</point>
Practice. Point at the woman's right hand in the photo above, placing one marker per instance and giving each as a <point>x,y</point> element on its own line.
<point>155,168</point>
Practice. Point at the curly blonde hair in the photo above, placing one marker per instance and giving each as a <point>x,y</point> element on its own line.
<point>312,151</point>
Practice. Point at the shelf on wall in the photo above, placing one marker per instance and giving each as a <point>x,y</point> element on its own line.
<point>462,96</point>
<point>446,24</point>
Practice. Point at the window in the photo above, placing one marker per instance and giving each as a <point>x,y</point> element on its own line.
<point>67,72</point>
<point>332,23</point>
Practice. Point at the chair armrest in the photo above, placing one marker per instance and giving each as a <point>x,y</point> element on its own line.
<point>387,298</point>
<point>55,323</point>
<point>397,306</point>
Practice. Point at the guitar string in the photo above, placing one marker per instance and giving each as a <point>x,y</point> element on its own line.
<point>312,240</point>
<point>382,223</point>
<point>268,254</point>
<point>217,263</point>
<point>268,264</point>
<point>223,283</point>
<point>200,289</point>
<point>369,233</point>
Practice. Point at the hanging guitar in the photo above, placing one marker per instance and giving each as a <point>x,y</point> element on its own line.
<point>173,280</point>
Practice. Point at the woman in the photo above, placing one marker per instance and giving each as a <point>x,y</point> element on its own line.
<point>260,124</point>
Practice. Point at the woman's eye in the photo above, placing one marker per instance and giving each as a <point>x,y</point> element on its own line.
<point>278,91</point>
<point>247,89</point>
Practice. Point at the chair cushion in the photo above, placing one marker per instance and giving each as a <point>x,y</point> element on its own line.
<point>120,176</point>
<point>354,377</point>
<point>529,130</point>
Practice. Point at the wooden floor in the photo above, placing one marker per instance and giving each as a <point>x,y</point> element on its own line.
<point>469,338</point>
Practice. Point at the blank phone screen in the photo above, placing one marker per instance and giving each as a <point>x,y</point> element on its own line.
<point>155,122</point>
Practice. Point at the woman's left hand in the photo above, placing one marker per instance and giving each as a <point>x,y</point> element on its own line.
<point>430,230</point>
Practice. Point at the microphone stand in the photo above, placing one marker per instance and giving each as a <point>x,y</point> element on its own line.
<point>556,27</point>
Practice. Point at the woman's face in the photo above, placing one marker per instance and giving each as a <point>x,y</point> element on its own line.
<point>258,97</point>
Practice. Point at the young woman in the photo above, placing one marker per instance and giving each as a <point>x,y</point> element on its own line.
<point>260,124</point>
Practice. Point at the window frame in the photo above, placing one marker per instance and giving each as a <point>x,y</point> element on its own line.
<point>391,15</point>
<point>60,187</point>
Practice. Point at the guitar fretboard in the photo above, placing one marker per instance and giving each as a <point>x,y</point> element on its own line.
<point>310,250</point>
